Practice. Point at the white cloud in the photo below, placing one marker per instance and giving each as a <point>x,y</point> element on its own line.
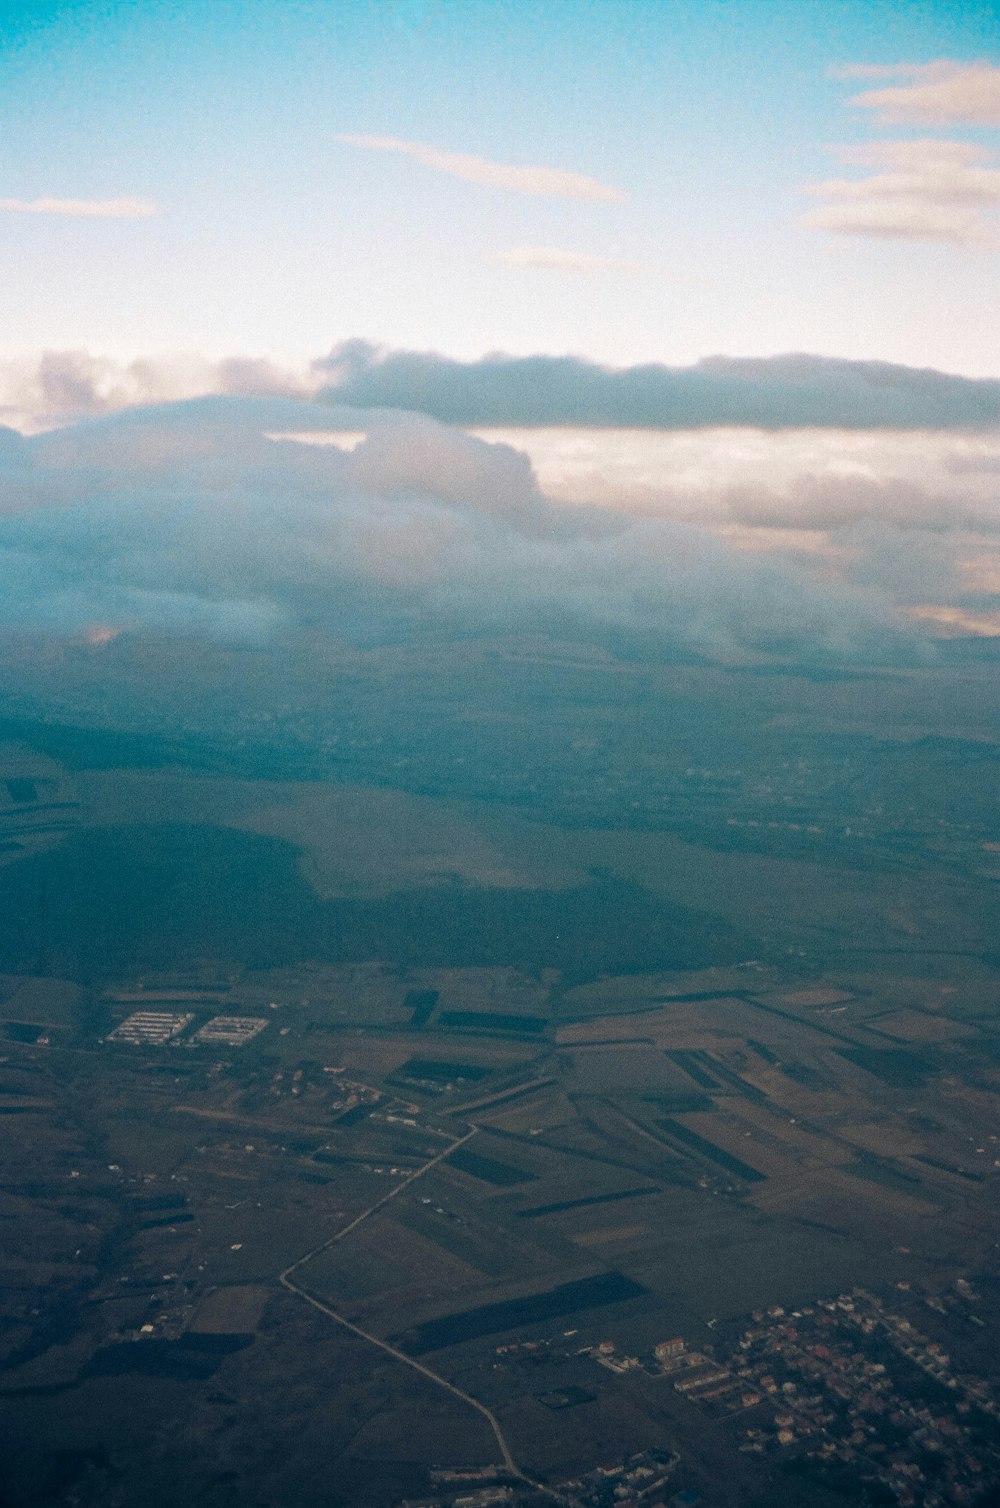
<point>97,209</point>
<point>943,92</point>
<point>552,183</point>
<point>954,168</point>
<point>805,480</point>
<point>554,259</point>
<point>933,190</point>
<point>37,392</point>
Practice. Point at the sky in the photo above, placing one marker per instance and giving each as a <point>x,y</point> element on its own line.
<point>625,180</point>
<point>660,318</point>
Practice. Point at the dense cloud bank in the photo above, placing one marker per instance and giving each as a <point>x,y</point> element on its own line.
<point>205,518</point>
<point>770,393</point>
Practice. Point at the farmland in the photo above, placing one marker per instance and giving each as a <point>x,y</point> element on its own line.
<point>444,1106</point>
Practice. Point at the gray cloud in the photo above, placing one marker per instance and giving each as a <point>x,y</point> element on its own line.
<point>832,502</point>
<point>771,393</point>
<point>187,518</point>
<point>898,561</point>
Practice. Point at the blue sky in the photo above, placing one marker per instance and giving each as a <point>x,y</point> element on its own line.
<point>267,233</point>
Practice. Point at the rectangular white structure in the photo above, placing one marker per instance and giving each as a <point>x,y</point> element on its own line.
<point>151,1028</point>
<point>230,1031</point>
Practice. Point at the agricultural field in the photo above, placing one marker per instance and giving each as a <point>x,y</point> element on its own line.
<point>527,1080</point>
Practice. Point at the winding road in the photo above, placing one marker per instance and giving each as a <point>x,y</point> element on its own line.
<point>288,1280</point>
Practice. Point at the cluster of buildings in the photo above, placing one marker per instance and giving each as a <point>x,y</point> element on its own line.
<point>484,1497</point>
<point>151,1028</point>
<point>842,1398</point>
<point>474,1487</point>
<point>154,1028</point>
<point>697,1375</point>
<point>230,1031</point>
<point>637,1480</point>
<point>851,1392</point>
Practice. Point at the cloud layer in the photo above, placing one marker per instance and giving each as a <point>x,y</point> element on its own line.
<point>187,518</point>
<point>498,391</point>
<point>550,183</point>
<point>772,393</point>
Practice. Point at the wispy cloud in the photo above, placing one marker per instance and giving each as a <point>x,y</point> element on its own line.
<point>555,259</point>
<point>98,209</point>
<point>957,622</point>
<point>931,191</point>
<point>940,93</point>
<point>552,183</point>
